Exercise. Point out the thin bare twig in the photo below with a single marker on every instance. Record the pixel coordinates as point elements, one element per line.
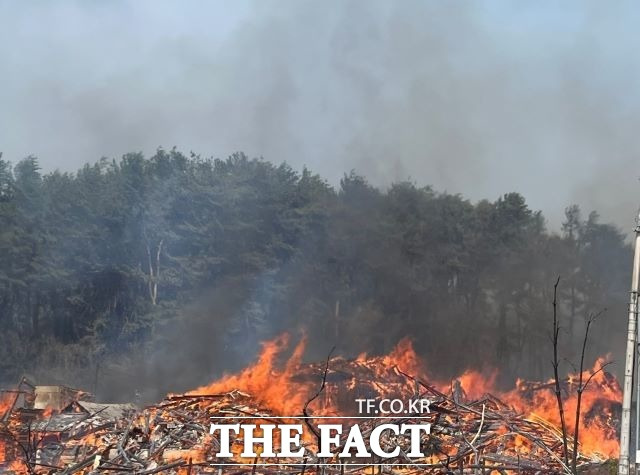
<point>306,405</point>
<point>581,388</point>
<point>556,332</point>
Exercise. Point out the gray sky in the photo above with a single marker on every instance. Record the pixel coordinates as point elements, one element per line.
<point>479,98</point>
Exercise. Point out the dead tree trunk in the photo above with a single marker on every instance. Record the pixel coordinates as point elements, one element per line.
<point>556,333</point>
<point>154,270</point>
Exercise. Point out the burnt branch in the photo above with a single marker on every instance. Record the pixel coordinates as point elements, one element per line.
<point>305,411</point>
<point>582,387</point>
<point>556,377</point>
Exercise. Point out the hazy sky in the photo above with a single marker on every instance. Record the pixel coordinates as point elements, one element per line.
<point>478,97</point>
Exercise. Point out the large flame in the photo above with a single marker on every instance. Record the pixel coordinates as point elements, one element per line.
<point>268,381</point>
<point>597,428</point>
<point>281,388</point>
<point>282,384</point>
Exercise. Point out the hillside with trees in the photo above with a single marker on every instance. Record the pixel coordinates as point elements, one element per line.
<point>157,274</point>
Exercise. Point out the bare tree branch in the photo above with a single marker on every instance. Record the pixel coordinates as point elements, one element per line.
<point>581,388</point>
<point>322,386</point>
<point>556,332</point>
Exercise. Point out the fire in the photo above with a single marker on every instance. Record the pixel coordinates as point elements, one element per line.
<point>271,385</point>
<point>404,357</point>
<point>597,432</point>
<point>6,401</point>
<point>281,389</point>
<point>280,383</point>
<point>17,466</point>
<point>476,384</point>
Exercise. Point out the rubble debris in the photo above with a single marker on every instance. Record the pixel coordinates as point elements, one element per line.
<point>473,429</point>
<point>174,436</point>
<point>58,397</point>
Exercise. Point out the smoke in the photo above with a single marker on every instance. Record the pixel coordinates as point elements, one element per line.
<point>477,98</point>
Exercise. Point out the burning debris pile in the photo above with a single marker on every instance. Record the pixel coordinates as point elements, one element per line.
<point>471,430</point>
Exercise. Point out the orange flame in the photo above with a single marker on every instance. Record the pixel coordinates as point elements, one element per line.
<point>264,380</point>
<point>282,390</point>
<point>282,385</point>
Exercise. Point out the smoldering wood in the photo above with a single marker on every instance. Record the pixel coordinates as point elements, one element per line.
<point>163,438</point>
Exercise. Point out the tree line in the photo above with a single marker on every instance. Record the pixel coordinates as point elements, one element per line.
<point>158,273</point>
